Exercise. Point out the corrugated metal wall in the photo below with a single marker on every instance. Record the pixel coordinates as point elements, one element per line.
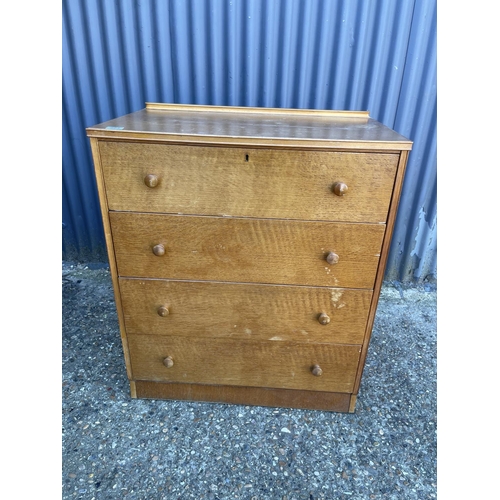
<point>377,55</point>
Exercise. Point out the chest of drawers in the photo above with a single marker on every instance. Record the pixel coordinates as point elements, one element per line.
<point>247,248</point>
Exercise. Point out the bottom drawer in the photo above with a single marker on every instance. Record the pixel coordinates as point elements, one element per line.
<point>285,365</point>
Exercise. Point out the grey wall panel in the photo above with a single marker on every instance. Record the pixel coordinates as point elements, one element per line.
<point>376,55</point>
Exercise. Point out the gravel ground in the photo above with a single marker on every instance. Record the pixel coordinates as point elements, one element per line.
<point>117,447</point>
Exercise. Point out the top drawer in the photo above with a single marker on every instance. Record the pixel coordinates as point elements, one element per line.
<point>248,182</point>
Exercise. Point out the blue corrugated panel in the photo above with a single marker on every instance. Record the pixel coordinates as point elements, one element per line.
<point>414,245</point>
<point>377,55</point>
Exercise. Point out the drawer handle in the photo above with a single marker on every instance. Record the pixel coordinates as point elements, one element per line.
<point>340,189</point>
<point>324,319</point>
<point>316,371</point>
<point>332,258</point>
<point>159,250</point>
<point>163,311</point>
<point>168,362</point>
<point>151,180</point>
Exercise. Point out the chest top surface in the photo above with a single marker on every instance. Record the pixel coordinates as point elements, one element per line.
<point>253,126</point>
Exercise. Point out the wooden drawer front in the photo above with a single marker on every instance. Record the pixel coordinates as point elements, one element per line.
<point>246,250</point>
<point>271,184</point>
<point>244,311</point>
<point>245,363</point>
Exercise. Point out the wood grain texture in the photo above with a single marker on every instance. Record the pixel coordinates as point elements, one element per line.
<point>257,396</point>
<point>197,108</point>
<point>352,403</point>
<point>244,225</point>
<point>248,182</point>
<point>244,311</point>
<point>247,250</point>
<point>272,127</point>
<point>101,190</point>
<point>285,365</point>
<point>133,389</point>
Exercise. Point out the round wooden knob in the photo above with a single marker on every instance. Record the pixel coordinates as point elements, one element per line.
<point>316,371</point>
<point>159,250</point>
<point>168,362</point>
<point>340,189</point>
<point>151,180</point>
<point>332,258</point>
<point>163,311</point>
<point>324,319</point>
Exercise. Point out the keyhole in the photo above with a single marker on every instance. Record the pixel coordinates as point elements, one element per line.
<point>246,157</point>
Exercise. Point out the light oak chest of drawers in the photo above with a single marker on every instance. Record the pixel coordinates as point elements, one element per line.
<point>247,248</point>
